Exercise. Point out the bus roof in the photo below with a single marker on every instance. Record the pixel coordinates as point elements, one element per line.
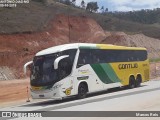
<point>60,48</point>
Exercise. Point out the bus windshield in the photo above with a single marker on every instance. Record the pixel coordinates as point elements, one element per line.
<point>43,72</point>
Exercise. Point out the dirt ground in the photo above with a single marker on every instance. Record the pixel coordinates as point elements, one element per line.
<point>154,70</point>
<point>14,92</point>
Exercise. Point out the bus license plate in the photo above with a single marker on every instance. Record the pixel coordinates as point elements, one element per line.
<point>41,95</point>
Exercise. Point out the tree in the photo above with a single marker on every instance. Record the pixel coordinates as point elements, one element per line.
<point>83,4</point>
<point>92,7</point>
<point>106,10</point>
<point>102,9</point>
<point>73,2</point>
<point>67,2</point>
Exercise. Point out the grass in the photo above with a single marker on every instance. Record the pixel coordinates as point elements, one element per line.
<point>154,60</point>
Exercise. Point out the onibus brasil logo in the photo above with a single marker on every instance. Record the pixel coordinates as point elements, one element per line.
<point>21,114</point>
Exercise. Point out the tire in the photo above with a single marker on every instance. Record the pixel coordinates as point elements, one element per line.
<point>138,81</point>
<point>131,82</point>
<point>82,91</point>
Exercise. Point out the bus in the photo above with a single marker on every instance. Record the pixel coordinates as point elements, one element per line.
<point>78,69</point>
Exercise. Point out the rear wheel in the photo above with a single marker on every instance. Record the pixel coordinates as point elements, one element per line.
<point>82,91</point>
<point>138,81</point>
<point>131,82</point>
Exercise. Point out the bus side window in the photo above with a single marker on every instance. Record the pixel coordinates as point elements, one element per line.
<point>81,60</point>
<point>95,59</point>
<point>84,57</point>
<point>65,68</point>
<point>97,56</point>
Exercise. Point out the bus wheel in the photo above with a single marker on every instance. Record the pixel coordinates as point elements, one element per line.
<point>131,82</point>
<point>82,90</point>
<point>138,81</point>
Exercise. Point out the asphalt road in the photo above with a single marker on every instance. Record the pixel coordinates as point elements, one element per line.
<point>117,102</point>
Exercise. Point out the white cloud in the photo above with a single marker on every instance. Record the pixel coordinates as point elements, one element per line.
<point>119,2</point>
<point>124,8</point>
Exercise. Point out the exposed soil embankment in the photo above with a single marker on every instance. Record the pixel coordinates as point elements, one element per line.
<point>17,49</point>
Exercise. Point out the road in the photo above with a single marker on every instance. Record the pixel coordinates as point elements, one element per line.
<point>144,98</point>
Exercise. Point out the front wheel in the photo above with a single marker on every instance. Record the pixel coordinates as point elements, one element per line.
<point>82,91</point>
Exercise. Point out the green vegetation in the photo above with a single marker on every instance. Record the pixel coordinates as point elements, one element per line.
<point>143,16</point>
<point>35,16</point>
<point>146,22</point>
<point>154,60</point>
<point>92,7</point>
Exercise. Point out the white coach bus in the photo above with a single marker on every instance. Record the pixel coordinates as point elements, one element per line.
<point>79,68</point>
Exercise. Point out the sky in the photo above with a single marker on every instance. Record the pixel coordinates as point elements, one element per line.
<point>125,5</point>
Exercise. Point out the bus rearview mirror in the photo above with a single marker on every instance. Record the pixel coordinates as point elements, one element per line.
<point>26,65</point>
<point>57,60</point>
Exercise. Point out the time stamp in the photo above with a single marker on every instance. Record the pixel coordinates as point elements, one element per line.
<point>12,3</point>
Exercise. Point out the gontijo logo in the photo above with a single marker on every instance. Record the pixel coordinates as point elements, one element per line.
<point>127,66</point>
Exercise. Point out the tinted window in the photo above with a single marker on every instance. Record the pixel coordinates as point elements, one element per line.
<point>93,56</point>
<point>85,57</point>
<point>71,53</point>
<point>65,65</point>
<point>43,72</point>
<point>120,55</point>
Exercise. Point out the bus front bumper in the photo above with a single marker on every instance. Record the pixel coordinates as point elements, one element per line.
<point>46,94</point>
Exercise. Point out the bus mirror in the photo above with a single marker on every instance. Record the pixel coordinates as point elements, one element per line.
<point>25,66</point>
<point>59,59</point>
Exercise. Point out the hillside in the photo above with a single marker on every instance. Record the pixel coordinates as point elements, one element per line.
<point>32,27</point>
<point>140,40</point>
<point>33,17</point>
<point>17,49</point>
<point>142,16</point>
